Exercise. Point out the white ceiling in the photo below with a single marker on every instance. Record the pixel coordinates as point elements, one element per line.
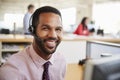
<point>40,0</point>
<point>97,1</point>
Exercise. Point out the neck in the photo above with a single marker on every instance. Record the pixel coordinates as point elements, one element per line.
<point>40,53</point>
<point>30,12</point>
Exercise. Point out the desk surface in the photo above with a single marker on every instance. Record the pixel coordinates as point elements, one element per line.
<point>29,38</point>
<point>15,38</point>
<point>74,72</point>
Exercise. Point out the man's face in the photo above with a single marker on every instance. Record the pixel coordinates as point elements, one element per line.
<point>32,9</point>
<point>49,32</point>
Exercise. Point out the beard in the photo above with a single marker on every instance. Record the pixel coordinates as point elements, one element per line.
<point>45,49</point>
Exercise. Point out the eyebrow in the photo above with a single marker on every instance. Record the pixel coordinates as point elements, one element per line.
<point>59,27</point>
<point>49,26</point>
<point>45,25</point>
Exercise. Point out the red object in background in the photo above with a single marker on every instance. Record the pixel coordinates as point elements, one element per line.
<point>81,31</point>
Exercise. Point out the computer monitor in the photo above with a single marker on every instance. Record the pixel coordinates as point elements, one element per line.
<point>103,69</point>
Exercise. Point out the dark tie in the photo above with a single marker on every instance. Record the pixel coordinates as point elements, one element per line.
<point>45,73</point>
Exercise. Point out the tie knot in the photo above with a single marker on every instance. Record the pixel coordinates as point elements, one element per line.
<point>46,65</point>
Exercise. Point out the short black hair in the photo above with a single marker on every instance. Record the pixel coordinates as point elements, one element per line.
<point>30,6</point>
<point>44,9</point>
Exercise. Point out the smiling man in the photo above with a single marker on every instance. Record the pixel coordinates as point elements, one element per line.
<point>39,61</point>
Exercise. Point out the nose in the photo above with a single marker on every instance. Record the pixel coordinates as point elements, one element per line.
<point>52,34</point>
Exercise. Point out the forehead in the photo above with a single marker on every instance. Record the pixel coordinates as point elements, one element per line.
<point>50,18</point>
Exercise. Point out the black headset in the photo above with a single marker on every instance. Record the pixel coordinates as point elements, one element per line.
<point>31,27</point>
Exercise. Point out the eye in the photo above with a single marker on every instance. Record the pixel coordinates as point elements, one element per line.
<point>59,29</point>
<point>45,28</point>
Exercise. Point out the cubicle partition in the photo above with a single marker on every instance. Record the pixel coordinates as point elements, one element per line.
<point>97,49</point>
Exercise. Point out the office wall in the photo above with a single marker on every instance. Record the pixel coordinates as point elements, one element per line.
<point>83,7</point>
<point>14,7</point>
<point>73,51</point>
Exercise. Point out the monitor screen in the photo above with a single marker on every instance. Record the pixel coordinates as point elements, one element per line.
<point>103,69</point>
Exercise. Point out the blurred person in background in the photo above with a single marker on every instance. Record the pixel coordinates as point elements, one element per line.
<point>82,28</point>
<point>27,18</point>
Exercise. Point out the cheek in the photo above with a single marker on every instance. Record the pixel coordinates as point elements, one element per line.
<point>42,33</point>
<point>60,36</point>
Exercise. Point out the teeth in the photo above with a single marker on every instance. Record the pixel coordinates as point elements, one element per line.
<point>51,43</point>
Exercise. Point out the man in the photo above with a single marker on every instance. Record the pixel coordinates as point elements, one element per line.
<point>27,18</point>
<point>39,61</point>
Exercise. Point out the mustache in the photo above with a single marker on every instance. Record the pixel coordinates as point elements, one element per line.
<point>50,39</point>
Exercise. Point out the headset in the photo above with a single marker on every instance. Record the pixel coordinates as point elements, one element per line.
<point>32,23</point>
<point>32,30</point>
<point>35,15</point>
<point>31,27</point>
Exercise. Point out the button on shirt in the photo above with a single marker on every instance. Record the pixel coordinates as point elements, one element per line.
<point>27,65</point>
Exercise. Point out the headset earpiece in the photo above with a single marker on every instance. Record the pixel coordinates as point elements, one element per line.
<point>31,29</point>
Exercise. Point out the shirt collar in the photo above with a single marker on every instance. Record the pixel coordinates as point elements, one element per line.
<point>39,61</point>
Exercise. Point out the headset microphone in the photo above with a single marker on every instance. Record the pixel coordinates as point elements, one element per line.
<point>36,37</point>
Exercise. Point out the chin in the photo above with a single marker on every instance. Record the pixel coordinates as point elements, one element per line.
<point>50,51</point>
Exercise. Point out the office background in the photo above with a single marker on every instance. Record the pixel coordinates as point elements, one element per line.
<point>104,12</point>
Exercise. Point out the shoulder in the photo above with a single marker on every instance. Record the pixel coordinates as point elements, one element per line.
<point>27,15</point>
<point>14,66</point>
<point>18,59</point>
<point>9,71</point>
<point>80,25</point>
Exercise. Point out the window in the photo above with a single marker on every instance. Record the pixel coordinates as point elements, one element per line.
<point>68,18</point>
<point>106,15</point>
<point>10,19</point>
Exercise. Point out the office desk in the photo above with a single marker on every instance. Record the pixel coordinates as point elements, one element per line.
<point>74,72</point>
<point>10,44</point>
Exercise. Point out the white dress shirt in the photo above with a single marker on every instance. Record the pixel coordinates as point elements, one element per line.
<point>26,22</point>
<point>27,65</point>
